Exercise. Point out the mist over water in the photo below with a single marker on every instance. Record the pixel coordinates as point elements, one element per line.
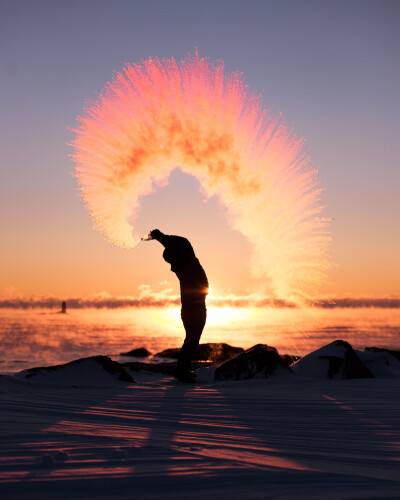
<point>42,337</point>
<point>157,116</point>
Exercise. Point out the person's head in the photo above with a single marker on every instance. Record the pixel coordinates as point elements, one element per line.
<point>156,234</point>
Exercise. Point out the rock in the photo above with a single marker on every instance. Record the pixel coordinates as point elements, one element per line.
<point>289,359</point>
<point>141,352</point>
<point>93,371</point>
<point>260,361</point>
<point>215,352</point>
<point>168,353</point>
<point>337,360</point>
<point>383,363</point>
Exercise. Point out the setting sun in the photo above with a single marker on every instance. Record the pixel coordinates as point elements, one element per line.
<point>220,316</point>
<point>216,316</point>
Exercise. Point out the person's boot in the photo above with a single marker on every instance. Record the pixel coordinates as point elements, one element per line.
<point>184,375</point>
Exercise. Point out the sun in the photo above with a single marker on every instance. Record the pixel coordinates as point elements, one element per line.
<point>216,316</point>
<point>223,316</point>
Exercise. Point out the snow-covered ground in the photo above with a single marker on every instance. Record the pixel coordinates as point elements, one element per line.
<point>283,437</point>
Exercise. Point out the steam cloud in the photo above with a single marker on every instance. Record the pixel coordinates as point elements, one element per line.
<point>161,115</point>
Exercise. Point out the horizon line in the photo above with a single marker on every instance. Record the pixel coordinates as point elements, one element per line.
<point>229,301</point>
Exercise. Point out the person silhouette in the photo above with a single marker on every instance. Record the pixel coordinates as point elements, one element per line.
<point>194,289</point>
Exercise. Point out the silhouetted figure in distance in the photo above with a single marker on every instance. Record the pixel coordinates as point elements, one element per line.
<point>194,289</point>
<point>63,307</point>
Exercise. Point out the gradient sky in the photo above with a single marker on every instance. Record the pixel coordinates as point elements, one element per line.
<point>331,67</point>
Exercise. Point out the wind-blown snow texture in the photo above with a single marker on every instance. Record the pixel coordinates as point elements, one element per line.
<point>269,439</point>
<point>286,436</point>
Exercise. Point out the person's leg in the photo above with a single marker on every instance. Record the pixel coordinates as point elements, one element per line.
<point>194,318</point>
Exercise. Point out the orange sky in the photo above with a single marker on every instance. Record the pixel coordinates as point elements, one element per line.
<point>80,262</point>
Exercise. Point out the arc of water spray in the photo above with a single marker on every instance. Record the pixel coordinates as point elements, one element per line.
<point>158,115</point>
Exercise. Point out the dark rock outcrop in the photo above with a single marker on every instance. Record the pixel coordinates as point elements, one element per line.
<point>141,352</point>
<point>289,359</point>
<point>85,371</point>
<point>215,352</point>
<point>172,353</point>
<point>260,361</point>
<point>337,360</point>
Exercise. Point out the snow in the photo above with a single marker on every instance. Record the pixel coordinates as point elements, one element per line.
<point>382,364</point>
<point>94,371</point>
<point>336,360</point>
<point>316,364</point>
<point>283,437</point>
<point>347,362</point>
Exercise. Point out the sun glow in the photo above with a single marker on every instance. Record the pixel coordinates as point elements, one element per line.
<point>216,316</point>
<point>221,316</point>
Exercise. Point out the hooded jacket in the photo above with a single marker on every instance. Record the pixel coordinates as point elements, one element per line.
<point>184,263</point>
